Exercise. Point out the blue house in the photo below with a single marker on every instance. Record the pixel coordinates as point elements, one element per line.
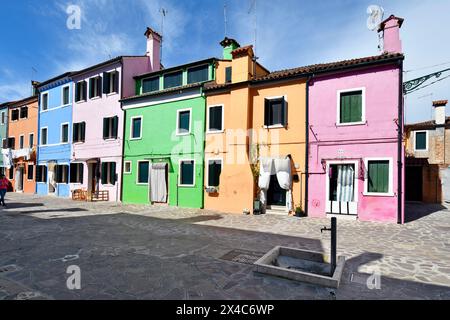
<point>54,136</point>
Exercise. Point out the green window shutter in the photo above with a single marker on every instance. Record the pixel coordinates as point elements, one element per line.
<point>105,128</point>
<point>113,173</point>
<point>351,107</point>
<point>106,76</point>
<point>91,88</point>
<point>83,130</point>
<point>76,127</point>
<point>45,174</point>
<point>84,85</point>
<point>104,173</point>
<point>99,86</point>
<point>77,94</point>
<point>115,124</point>
<point>266,112</point>
<point>39,174</point>
<point>421,140</point>
<point>116,81</point>
<point>73,168</point>
<point>228,74</point>
<point>143,171</point>
<point>378,175</point>
<point>136,128</point>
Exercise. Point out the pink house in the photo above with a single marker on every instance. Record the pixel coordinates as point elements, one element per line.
<point>98,120</point>
<point>356,154</point>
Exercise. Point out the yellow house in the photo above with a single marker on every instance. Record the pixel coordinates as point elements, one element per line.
<point>255,136</point>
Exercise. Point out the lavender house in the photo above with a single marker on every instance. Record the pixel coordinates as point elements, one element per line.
<point>98,122</point>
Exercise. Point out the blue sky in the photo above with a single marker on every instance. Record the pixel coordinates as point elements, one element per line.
<point>290,33</point>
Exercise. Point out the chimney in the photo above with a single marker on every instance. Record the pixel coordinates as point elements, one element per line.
<point>439,111</point>
<point>391,34</point>
<point>228,46</point>
<point>153,48</point>
<point>242,64</point>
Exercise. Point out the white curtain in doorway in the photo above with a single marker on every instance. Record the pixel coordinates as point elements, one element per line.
<point>345,183</point>
<point>265,171</point>
<point>158,185</point>
<point>18,182</point>
<point>283,171</point>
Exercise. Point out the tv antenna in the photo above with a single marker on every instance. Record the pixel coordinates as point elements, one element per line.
<point>225,16</point>
<point>374,20</point>
<point>33,73</point>
<point>255,21</point>
<point>163,12</point>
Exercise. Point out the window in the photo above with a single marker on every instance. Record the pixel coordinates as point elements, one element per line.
<point>44,101</point>
<point>76,173</point>
<point>110,127</point>
<point>31,140</point>
<point>3,117</point>
<point>174,79</point>
<point>62,173</point>
<point>65,95</point>
<point>65,133</point>
<point>30,173</point>
<point>110,82</point>
<point>4,143</point>
<point>109,173</point>
<point>95,87</point>
<point>215,118</point>
<point>150,85</point>
<point>420,140</point>
<point>351,107</point>
<point>127,168</point>
<point>44,132</point>
<point>23,112</point>
<point>197,74</point>
<point>136,128</point>
<point>14,114</point>
<point>80,91</point>
<point>11,143</point>
<point>11,173</point>
<point>187,173</point>
<point>143,170</point>
<point>214,171</point>
<point>21,141</point>
<point>228,74</point>
<point>41,173</point>
<point>79,130</point>
<point>378,176</point>
<point>275,113</point>
<point>183,122</point>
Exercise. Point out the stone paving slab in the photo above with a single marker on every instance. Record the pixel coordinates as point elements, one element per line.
<point>155,252</point>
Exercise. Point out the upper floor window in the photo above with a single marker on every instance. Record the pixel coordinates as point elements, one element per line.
<point>111,82</point>
<point>150,84</point>
<point>136,128</point>
<point>275,112</point>
<point>228,74</point>
<point>31,140</point>
<point>11,143</point>
<point>80,91</point>
<point>44,101</point>
<point>183,122</point>
<point>215,118</point>
<point>110,127</point>
<point>3,117</point>
<point>44,136</point>
<point>14,114</point>
<point>21,141</point>
<point>174,79</point>
<point>65,95</point>
<point>197,74</point>
<point>64,133</point>
<point>23,112</point>
<point>351,106</point>
<point>95,87</point>
<point>420,140</point>
<point>79,131</point>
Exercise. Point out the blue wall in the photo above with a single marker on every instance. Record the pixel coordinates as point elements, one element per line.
<point>53,118</point>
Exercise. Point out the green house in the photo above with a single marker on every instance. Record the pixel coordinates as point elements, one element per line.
<point>164,136</point>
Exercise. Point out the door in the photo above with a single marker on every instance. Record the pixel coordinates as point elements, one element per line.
<point>276,196</point>
<point>414,183</point>
<point>19,179</point>
<point>93,177</point>
<point>158,182</point>
<point>341,189</point>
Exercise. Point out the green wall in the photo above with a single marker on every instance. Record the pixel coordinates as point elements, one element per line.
<point>160,143</point>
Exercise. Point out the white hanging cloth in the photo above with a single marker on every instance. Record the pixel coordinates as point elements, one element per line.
<point>265,171</point>
<point>7,158</point>
<point>284,177</point>
<point>158,186</point>
<point>345,183</point>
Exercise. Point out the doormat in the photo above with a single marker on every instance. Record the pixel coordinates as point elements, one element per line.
<point>242,256</point>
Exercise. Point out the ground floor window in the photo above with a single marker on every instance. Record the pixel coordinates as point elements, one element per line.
<point>127,168</point>
<point>41,173</point>
<point>187,173</point>
<point>30,173</point>
<point>378,180</point>
<point>214,171</point>
<point>109,173</point>
<point>76,173</point>
<point>143,170</point>
<point>62,173</point>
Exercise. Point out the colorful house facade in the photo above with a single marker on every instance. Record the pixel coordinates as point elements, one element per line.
<point>21,141</point>
<point>355,152</point>
<point>3,135</point>
<point>164,136</point>
<point>54,136</point>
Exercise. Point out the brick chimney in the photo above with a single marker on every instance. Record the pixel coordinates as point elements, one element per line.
<point>229,45</point>
<point>391,34</point>
<point>153,48</point>
<point>439,111</point>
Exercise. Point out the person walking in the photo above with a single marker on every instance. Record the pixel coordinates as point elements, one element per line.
<point>3,187</point>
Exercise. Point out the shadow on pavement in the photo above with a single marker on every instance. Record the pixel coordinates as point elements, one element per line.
<point>417,210</point>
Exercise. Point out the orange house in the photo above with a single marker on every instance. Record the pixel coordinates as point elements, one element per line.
<point>21,142</point>
<point>255,136</point>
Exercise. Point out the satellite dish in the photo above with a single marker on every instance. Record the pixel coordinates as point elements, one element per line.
<point>376,14</point>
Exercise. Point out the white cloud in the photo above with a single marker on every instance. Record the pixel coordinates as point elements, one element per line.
<point>14,91</point>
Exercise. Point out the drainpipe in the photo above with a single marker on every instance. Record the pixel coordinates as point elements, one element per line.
<point>400,144</point>
<point>307,144</point>
<point>124,113</point>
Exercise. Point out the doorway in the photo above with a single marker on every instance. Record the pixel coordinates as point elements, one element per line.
<point>413,183</point>
<point>159,175</point>
<point>93,177</point>
<point>19,179</point>
<point>276,196</point>
<point>341,189</point>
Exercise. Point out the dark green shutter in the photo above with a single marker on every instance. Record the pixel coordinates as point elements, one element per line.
<point>77,92</point>
<point>187,172</point>
<point>421,140</point>
<point>228,74</point>
<point>75,132</point>
<point>105,128</point>
<point>113,173</point>
<point>116,81</point>
<point>73,167</point>
<point>351,107</point>
<point>45,173</point>
<point>283,112</point>
<point>38,174</point>
<point>214,171</point>
<point>106,76</point>
<point>115,126</point>
<point>99,86</point>
<point>91,87</point>
<point>266,112</point>
<point>378,176</point>
<point>104,173</point>
<point>81,168</point>
<point>83,130</point>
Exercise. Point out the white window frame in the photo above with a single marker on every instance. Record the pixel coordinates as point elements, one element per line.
<point>207,170</point>
<point>68,173</point>
<point>108,173</point>
<point>34,141</point>
<point>75,91</point>
<point>275,126</point>
<point>125,167</point>
<point>179,173</point>
<point>178,122</point>
<point>34,171</point>
<point>131,127</point>
<point>137,173</point>
<point>18,117</point>
<point>36,168</point>
<point>22,136</point>
<point>48,101</point>
<point>363,107</point>
<point>208,130</point>
<point>61,133</point>
<point>390,192</point>
<point>62,95</point>
<point>20,112</point>
<point>426,140</point>
<point>40,136</point>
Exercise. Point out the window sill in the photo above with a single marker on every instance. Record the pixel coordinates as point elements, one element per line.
<point>110,139</point>
<point>420,150</point>
<point>275,126</point>
<point>95,98</point>
<point>187,185</point>
<point>140,138</point>
<point>81,101</point>
<point>111,94</point>
<point>141,184</point>
<point>351,124</point>
<point>64,105</point>
<point>377,194</point>
<point>78,142</point>
<point>128,173</point>
<point>182,134</point>
<point>215,131</point>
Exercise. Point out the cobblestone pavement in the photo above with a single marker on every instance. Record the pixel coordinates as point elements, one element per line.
<point>153,252</point>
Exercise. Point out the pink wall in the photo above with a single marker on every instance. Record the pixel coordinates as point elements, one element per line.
<point>377,137</point>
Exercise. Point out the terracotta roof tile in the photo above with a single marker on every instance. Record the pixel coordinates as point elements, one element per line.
<point>430,124</point>
<point>155,93</point>
<point>241,51</point>
<point>439,103</point>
